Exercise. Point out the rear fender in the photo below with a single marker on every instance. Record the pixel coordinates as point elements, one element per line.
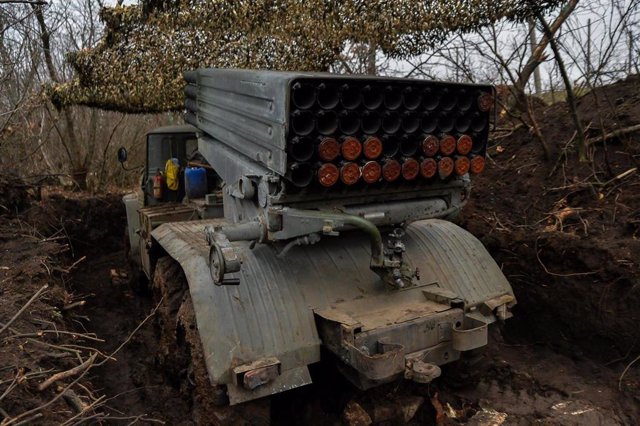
<point>271,315</point>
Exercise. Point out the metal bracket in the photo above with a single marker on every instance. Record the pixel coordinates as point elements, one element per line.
<point>223,259</point>
<point>386,261</point>
<point>420,371</point>
<point>258,373</point>
<point>386,363</point>
<point>471,335</point>
<point>500,306</point>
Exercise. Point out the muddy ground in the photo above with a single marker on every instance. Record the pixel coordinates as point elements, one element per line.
<point>564,232</point>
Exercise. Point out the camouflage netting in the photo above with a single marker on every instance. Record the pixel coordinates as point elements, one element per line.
<point>138,65</point>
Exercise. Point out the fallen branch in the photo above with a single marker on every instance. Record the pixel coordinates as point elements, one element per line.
<point>12,385</point>
<point>40,333</point>
<point>30,419</point>
<point>563,154</point>
<point>99,402</point>
<point>574,274</point>
<point>24,307</point>
<point>69,373</point>
<point>14,421</point>
<point>625,371</point>
<point>614,134</point>
<point>70,268</point>
<point>621,176</point>
<point>74,305</point>
<point>74,400</point>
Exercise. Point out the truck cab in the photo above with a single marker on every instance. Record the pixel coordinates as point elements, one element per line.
<point>163,144</point>
<point>146,210</point>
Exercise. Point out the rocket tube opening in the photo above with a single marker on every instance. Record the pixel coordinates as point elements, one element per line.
<point>372,97</point>
<point>391,170</point>
<point>349,122</point>
<point>429,122</point>
<point>448,99</point>
<point>445,167</point>
<point>392,97</point>
<point>479,123</point>
<point>430,98</point>
<point>391,122</point>
<point>477,164</point>
<point>350,96</point>
<point>446,122</point>
<point>485,102</point>
<point>447,145</point>
<point>351,148</point>
<point>301,174</point>
<point>328,149</point>
<point>430,145</point>
<point>301,148</point>
<point>302,122</point>
<point>410,169</point>
<point>370,122</point>
<point>390,146</point>
<point>371,172</point>
<point>326,122</point>
<point>349,173</point>
<point>463,123</point>
<point>410,122</point>
<point>465,100</point>
<point>303,95</point>
<point>327,95</point>
<point>328,175</point>
<point>372,148</point>
<point>464,144</point>
<point>428,168</point>
<point>462,165</point>
<point>411,98</point>
<point>409,145</point>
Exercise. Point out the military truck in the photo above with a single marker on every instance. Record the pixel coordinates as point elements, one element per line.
<point>325,224</point>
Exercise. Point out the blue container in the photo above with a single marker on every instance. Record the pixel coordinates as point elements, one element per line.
<point>195,182</point>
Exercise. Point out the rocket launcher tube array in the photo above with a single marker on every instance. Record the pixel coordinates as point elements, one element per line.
<point>393,131</point>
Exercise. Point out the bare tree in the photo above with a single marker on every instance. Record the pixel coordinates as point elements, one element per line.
<point>76,144</point>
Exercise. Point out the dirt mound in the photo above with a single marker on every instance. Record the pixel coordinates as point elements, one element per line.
<point>566,232</point>
<point>15,195</point>
<point>530,384</point>
<point>91,223</point>
<point>47,356</point>
<point>37,339</point>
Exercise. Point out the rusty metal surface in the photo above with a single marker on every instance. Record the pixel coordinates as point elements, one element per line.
<point>289,379</point>
<point>161,213</point>
<point>271,312</point>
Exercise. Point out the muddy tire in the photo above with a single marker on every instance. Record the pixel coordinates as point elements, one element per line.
<point>181,356</point>
<point>468,371</point>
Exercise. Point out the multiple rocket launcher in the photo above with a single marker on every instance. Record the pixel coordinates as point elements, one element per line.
<point>347,131</point>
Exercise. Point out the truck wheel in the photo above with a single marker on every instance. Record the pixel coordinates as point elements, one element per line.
<point>137,279</point>
<point>181,356</point>
<point>468,371</point>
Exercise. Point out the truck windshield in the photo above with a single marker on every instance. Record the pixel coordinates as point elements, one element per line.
<point>161,147</point>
